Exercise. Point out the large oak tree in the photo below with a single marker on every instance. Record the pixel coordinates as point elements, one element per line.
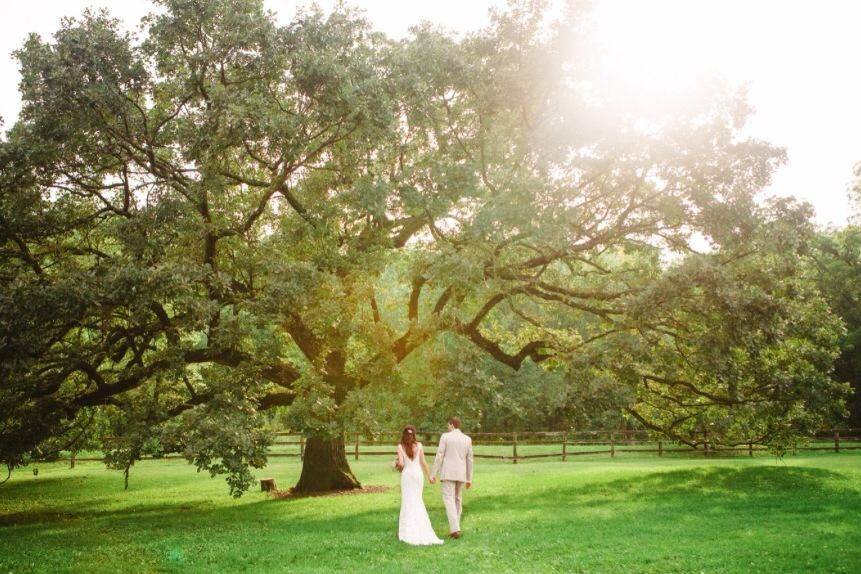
<point>229,215</point>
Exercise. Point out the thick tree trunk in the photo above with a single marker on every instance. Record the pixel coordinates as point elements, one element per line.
<point>325,466</point>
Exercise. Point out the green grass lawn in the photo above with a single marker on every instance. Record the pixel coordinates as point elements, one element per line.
<point>635,513</point>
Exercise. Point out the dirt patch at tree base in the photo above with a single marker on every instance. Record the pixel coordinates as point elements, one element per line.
<point>289,493</point>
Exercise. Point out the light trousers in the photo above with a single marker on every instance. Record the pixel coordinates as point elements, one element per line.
<point>452,498</point>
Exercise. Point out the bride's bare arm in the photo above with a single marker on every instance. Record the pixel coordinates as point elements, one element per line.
<point>400,462</point>
<point>424,464</point>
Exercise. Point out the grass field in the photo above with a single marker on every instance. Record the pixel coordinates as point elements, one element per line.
<point>635,513</point>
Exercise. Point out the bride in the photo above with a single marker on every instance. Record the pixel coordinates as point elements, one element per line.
<point>414,525</point>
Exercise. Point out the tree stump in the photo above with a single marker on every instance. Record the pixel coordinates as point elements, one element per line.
<point>268,485</point>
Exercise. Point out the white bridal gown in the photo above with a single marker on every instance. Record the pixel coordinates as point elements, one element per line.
<point>414,525</point>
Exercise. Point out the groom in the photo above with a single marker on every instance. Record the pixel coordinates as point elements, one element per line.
<point>453,465</point>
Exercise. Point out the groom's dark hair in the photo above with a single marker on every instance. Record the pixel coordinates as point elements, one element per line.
<point>454,421</point>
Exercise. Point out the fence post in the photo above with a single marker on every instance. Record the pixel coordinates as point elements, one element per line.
<point>660,448</point>
<point>301,447</point>
<point>836,441</point>
<point>358,435</point>
<point>564,446</point>
<point>750,448</point>
<point>612,444</point>
<point>705,443</point>
<point>514,447</point>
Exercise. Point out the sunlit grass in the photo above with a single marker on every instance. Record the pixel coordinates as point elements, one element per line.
<point>634,513</point>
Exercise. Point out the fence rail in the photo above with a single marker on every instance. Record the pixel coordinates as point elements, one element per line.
<point>562,444</point>
<point>573,443</point>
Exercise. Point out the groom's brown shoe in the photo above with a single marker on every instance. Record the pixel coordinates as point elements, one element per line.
<point>455,534</point>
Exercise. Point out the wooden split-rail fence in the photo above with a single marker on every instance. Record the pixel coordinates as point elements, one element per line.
<point>516,446</point>
<point>565,444</point>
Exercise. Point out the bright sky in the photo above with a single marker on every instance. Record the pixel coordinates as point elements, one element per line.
<point>797,58</point>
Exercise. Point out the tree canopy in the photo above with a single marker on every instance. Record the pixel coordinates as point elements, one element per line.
<point>226,216</point>
<point>835,266</point>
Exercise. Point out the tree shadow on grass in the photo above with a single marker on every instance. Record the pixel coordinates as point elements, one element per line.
<point>122,507</point>
<point>21,487</point>
<point>264,534</point>
<point>218,527</point>
<point>708,485</point>
<point>64,498</point>
<point>71,512</point>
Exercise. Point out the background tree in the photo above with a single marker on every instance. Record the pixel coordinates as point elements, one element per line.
<point>836,256</point>
<point>231,216</point>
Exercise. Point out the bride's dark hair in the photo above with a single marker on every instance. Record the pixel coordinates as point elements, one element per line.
<point>408,440</point>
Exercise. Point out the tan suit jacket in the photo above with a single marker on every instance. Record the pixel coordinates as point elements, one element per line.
<point>453,460</point>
